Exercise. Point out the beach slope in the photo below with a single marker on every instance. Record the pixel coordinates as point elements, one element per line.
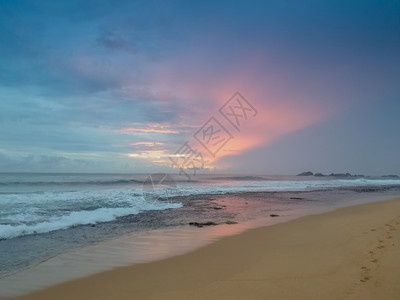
<point>350,253</point>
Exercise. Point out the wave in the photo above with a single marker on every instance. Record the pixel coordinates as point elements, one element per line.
<point>272,185</point>
<point>30,213</point>
<point>89,182</point>
<point>23,214</point>
<point>80,218</point>
<point>240,178</point>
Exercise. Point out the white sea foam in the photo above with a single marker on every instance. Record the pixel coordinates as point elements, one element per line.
<point>79,218</point>
<point>30,213</point>
<point>276,185</point>
<point>23,214</point>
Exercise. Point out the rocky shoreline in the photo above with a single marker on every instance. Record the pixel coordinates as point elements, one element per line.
<point>347,175</point>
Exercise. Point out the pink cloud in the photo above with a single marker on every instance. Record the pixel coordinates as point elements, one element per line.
<point>147,144</point>
<point>152,129</point>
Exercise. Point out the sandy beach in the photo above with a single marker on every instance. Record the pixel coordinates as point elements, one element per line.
<point>199,150</point>
<point>350,253</point>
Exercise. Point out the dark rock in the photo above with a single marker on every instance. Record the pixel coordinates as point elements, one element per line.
<point>217,207</point>
<point>201,224</point>
<point>347,175</point>
<point>296,198</point>
<point>306,174</point>
<point>209,223</point>
<point>230,222</point>
<point>274,215</point>
<point>340,175</point>
<point>390,176</point>
<point>319,175</point>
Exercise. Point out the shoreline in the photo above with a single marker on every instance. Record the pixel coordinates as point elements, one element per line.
<point>138,247</point>
<point>30,250</point>
<point>344,252</point>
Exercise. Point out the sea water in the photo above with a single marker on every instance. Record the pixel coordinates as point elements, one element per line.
<point>45,215</point>
<point>40,203</point>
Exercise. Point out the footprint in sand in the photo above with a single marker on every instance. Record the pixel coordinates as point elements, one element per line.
<point>365,279</point>
<point>374,260</point>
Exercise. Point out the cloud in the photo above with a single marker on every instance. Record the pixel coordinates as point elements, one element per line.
<point>114,41</point>
<point>40,163</point>
<point>94,78</point>
<point>155,129</point>
<point>147,144</point>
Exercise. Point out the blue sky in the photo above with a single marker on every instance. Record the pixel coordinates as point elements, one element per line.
<point>118,86</point>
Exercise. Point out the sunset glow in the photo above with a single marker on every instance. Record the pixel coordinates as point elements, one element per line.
<point>131,90</point>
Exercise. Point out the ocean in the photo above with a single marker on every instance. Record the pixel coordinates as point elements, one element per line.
<point>46,215</point>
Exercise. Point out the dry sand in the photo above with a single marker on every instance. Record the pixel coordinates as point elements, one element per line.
<point>350,253</point>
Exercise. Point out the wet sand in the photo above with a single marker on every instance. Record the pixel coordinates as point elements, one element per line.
<point>350,253</point>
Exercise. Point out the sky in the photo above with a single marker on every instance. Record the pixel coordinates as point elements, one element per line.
<point>256,87</point>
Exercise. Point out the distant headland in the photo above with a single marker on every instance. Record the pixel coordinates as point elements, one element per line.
<point>344,175</point>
